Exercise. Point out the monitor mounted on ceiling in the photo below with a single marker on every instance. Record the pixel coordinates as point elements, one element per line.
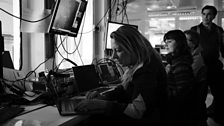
<point>67,17</point>
<point>1,58</point>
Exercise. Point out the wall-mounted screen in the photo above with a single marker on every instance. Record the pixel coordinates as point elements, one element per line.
<point>1,58</point>
<point>113,26</point>
<point>67,17</point>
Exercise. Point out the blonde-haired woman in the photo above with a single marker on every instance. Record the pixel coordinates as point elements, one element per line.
<point>141,98</point>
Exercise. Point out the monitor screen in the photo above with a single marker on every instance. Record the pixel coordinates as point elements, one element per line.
<point>113,26</point>
<point>1,57</point>
<point>7,62</point>
<point>67,17</point>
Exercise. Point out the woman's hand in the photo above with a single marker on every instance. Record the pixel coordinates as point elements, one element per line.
<point>91,105</point>
<point>167,68</point>
<point>92,94</point>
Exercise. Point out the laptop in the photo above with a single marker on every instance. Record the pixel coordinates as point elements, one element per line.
<point>66,106</point>
<point>87,79</point>
<point>7,60</point>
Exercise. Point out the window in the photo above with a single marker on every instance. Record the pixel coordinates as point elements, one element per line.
<point>78,49</point>
<point>159,25</point>
<point>11,29</point>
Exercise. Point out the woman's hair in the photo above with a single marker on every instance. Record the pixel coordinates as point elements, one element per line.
<point>134,43</point>
<point>194,36</point>
<point>181,45</point>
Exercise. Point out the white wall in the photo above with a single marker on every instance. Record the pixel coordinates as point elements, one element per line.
<point>33,44</point>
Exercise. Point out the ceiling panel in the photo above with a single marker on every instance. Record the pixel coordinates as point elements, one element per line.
<point>152,5</point>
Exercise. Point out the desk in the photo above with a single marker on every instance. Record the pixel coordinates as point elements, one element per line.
<point>46,116</point>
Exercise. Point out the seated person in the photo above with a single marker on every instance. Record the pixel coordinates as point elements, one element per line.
<point>141,99</point>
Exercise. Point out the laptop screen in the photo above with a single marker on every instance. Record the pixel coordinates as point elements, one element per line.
<point>7,62</point>
<point>86,77</point>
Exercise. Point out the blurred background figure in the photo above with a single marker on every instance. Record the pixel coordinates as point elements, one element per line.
<point>200,70</point>
<point>211,42</point>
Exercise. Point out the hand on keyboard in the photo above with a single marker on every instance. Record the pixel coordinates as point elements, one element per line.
<point>92,94</point>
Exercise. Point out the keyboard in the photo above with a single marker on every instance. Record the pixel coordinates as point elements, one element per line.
<point>7,112</point>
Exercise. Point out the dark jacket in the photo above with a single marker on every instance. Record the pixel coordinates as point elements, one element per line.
<point>150,82</point>
<point>198,65</point>
<point>211,42</point>
<point>181,84</point>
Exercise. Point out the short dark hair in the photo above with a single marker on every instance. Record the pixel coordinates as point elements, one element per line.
<point>181,41</point>
<point>214,10</point>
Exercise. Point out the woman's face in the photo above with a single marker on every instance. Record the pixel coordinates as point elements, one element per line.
<point>170,43</point>
<point>120,55</point>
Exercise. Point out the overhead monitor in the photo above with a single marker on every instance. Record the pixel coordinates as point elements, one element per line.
<point>7,62</point>
<point>1,57</point>
<point>113,26</point>
<point>67,17</point>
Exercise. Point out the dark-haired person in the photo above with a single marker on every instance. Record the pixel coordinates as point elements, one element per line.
<point>200,72</point>
<point>181,80</point>
<point>141,99</point>
<point>211,42</point>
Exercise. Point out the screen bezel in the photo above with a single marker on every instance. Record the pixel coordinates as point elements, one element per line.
<point>1,58</point>
<point>69,29</point>
<point>113,26</point>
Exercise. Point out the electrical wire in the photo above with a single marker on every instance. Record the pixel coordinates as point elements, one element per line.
<point>23,18</point>
<point>98,22</point>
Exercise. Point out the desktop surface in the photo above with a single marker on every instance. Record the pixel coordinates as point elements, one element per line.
<point>46,116</point>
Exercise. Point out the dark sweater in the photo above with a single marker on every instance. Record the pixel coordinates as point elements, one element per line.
<point>150,82</point>
<point>211,42</point>
<point>181,84</point>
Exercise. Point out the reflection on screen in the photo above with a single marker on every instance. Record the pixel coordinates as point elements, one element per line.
<point>67,17</point>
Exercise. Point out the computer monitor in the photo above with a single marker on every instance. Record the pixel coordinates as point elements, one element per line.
<point>1,57</point>
<point>7,62</point>
<point>67,17</point>
<point>113,26</point>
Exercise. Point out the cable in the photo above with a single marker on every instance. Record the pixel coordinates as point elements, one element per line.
<point>71,62</point>
<point>23,18</point>
<point>98,22</point>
